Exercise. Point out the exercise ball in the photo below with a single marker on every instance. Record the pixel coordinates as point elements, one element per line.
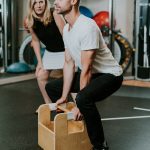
<point>102,18</point>
<point>86,11</point>
<point>18,68</point>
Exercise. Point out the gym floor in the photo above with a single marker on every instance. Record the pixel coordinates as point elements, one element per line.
<point>126,126</point>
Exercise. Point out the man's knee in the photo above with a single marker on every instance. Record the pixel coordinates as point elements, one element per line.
<point>81,100</point>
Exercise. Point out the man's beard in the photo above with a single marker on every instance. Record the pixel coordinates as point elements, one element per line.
<point>63,12</point>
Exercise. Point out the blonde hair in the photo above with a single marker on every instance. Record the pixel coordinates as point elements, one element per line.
<point>47,17</point>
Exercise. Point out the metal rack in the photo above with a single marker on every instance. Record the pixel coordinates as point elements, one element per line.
<point>1,33</point>
<point>8,32</point>
<point>142,55</point>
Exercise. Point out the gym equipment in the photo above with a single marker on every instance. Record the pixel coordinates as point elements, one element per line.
<point>18,68</point>
<point>26,52</point>
<point>122,49</point>
<point>111,21</point>
<point>142,40</point>
<point>126,50</point>
<point>86,11</point>
<point>9,31</point>
<point>1,36</point>
<point>102,18</point>
<point>145,57</point>
<point>63,133</point>
<point>105,30</point>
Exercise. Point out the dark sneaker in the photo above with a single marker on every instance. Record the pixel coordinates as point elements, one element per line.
<point>103,147</point>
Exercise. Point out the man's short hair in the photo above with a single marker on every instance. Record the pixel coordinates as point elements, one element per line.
<point>78,2</point>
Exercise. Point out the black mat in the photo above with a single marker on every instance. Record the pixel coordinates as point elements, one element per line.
<point>18,122</point>
<point>126,134</point>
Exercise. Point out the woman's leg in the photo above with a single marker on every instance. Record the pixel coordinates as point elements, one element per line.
<point>42,79</point>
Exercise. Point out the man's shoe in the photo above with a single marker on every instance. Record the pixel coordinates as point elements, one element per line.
<point>103,147</point>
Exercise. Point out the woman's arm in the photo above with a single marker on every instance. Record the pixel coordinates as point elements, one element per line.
<point>36,46</point>
<point>60,22</point>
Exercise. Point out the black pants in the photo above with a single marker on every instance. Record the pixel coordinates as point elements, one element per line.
<point>100,87</point>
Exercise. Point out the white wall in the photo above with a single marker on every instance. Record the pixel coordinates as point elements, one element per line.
<point>123,13</point>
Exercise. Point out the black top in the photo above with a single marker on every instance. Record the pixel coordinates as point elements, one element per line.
<point>49,35</point>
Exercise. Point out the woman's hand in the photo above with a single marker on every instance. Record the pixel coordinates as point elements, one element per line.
<point>38,68</point>
<point>77,114</point>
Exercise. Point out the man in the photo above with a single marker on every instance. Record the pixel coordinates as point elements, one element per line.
<point>98,76</point>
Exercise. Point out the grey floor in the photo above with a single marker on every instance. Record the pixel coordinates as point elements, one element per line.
<point>18,122</point>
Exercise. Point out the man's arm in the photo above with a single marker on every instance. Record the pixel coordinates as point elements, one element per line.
<point>68,74</point>
<point>87,57</point>
<point>69,70</point>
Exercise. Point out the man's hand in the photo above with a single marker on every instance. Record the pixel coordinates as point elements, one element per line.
<point>77,114</point>
<point>61,100</point>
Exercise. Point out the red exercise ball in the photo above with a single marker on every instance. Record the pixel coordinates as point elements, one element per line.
<point>102,18</point>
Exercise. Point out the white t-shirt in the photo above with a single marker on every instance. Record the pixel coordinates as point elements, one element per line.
<point>86,35</point>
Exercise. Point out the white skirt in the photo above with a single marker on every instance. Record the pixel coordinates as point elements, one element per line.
<point>53,60</point>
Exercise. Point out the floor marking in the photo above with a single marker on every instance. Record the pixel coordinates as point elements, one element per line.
<point>125,118</point>
<point>144,109</point>
<point>9,80</point>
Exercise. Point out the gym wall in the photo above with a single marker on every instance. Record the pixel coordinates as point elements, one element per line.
<point>123,12</point>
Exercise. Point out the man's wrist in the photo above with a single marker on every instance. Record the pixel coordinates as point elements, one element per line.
<point>64,98</point>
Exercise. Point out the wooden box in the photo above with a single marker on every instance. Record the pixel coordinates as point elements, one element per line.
<point>61,134</point>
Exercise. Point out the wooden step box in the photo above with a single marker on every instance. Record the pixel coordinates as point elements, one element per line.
<point>61,134</point>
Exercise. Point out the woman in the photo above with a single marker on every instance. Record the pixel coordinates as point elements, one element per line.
<point>45,26</point>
